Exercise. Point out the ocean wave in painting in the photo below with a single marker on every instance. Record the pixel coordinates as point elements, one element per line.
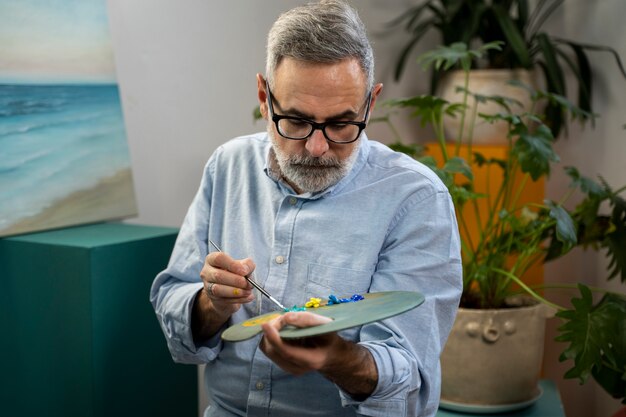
<point>55,140</point>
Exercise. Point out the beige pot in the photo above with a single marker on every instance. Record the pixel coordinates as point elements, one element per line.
<point>493,357</point>
<point>489,82</point>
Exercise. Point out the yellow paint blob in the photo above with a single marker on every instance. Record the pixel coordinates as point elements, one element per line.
<point>259,320</point>
<point>313,303</point>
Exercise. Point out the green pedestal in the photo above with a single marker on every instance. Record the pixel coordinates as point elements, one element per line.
<point>78,334</point>
<point>548,405</point>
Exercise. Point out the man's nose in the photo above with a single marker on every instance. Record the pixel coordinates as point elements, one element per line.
<point>316,144</point>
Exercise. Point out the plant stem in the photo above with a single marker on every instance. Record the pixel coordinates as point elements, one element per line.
<point>619,190</point>
<point>395,132</point>
<point>528,289</point>
<point>520,188</point>
<point>468,235</point>
<point>574,287</point>
<point>470,136</point>
<point>438,125</point>
<point>566,196</point>
<point>509,177</point>
<point>459,139</point>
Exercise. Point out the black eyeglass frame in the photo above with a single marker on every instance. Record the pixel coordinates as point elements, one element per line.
<point>314,125</point>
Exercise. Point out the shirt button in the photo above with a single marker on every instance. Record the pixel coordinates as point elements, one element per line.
<point>259,385</point>
<point>293,201</point>
<point>279,259</point>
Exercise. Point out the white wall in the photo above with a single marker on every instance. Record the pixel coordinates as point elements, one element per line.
<point>187,76</point>
<point>599,151</point>
<point>186,71</point>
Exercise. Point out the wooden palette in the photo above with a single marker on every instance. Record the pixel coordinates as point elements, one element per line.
<point>374,307</point>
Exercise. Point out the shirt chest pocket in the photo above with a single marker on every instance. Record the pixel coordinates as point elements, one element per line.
<point>323,280</point>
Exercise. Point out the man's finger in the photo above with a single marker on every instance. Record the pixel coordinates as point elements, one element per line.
<point>222,260</point>
<point>227,292</point>
<point>304,319</point>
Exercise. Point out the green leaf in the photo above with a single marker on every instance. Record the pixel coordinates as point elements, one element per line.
<point>480,160</point>
<point>446,57</point>
<point>587,185</point>
<point>541,14</point>
<point>413,150</point>
<point>565,228</point>
<point>418,34</point>
<point>616,240</point>
<point>458,165</point>
<point>505,102</point>
<point>462,193</point>
<point>562,104</point>
<point>513,36</point>
<point>522,12</point>
<point>582,70</point>
<point>592,227</point>
<point>256,114</point>
<point>431,163</point>
<point>456,54</point>
<point>597,339</point>
<point>555,73</point>
<point>427,108</point>
<point>598,48</point>
<point>409,15</point>
<point>412,22</point>
<point>534,150</point>
<point>502,101</point>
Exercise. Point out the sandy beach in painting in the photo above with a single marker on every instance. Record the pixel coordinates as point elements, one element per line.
<point>111,198</point>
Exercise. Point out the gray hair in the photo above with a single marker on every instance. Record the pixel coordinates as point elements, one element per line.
<point>327,31</point>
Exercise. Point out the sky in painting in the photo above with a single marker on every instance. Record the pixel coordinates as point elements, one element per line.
<point>55,41</point>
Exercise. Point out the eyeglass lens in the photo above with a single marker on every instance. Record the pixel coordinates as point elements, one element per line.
<point>300,129</point>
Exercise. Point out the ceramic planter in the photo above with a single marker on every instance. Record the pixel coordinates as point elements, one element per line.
<point>494,357</point>
<point>488,82</point>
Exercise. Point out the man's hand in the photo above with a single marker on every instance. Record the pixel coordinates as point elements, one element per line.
<point>225,289</point>
<point>298,356</point>
<point>347,364</point>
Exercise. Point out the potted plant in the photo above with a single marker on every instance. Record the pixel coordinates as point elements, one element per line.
<point>513,235</point>
<point>525,45</point>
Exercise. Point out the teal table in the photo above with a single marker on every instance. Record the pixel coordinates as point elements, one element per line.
<point>549,405</point>
<point>79,336</point>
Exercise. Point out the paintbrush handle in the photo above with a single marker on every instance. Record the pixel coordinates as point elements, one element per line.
<point>264,292</point>
<point>253,283</point>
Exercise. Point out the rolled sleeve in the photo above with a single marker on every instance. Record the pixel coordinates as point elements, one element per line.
<point>174,290</point>
<point>390,395</point>
<point>174,315</point>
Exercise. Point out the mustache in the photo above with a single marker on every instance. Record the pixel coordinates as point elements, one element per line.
<point>311,161</point>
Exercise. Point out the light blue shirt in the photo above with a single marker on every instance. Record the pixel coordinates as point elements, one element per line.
<point>389,224</point>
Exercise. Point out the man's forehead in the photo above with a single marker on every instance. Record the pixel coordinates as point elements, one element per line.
<point>321,91</point>
<point>315,75</point>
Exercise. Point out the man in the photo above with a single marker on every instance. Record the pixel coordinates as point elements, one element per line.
<point>314,208</point>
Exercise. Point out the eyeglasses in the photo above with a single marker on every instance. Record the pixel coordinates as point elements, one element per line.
<point>298,128</point>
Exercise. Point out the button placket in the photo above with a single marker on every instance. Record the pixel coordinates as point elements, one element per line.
<point>283,235</point>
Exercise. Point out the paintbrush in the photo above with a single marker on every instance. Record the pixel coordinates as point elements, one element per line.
<point>253,283</point>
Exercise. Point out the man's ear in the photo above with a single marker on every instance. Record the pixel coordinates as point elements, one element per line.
<point>378,88</point>
<point>262,95</point>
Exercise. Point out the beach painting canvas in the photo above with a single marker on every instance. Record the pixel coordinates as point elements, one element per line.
<point>64,157</point>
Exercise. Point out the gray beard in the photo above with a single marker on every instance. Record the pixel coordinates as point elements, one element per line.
<point>311,174</point>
